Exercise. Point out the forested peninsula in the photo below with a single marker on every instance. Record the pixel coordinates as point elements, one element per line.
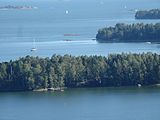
<point>148,14</point>
<point>136,32</point>
<point>32,73</point>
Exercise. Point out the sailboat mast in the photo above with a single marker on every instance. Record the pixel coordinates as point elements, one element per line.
<point>34,44</point>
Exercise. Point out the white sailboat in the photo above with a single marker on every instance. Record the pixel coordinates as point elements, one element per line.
<point>34,46</point>
<point>67,12</point>
<point>148,42</point>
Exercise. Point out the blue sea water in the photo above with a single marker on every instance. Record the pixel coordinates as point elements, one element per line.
<point>49,24</point>
<point>82,104</point>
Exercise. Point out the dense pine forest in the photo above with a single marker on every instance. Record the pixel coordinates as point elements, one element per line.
<point>148,14</point>
<point>30,73</point>
<point>138,32</point>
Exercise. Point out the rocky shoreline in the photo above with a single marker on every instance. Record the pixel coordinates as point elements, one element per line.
<point>49,89</point>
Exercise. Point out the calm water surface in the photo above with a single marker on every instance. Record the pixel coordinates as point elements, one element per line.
<point>82,104</point>
<point>49,23</point>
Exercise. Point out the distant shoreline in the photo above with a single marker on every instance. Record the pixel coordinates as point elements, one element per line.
<point>148,14</point>
<point>10,7</point>
<point>129,33</point>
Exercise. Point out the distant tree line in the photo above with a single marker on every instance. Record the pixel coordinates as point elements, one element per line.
<point>148,14</point>
<point>138,32</point>
<point>30,73</point>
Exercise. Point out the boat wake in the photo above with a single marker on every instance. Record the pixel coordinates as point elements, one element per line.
<point>69,42</point>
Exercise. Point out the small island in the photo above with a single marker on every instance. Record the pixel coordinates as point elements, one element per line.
<point>137,32</point>
<point>11,7</point>
<point>58,72</point>
<point>148,14</point>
